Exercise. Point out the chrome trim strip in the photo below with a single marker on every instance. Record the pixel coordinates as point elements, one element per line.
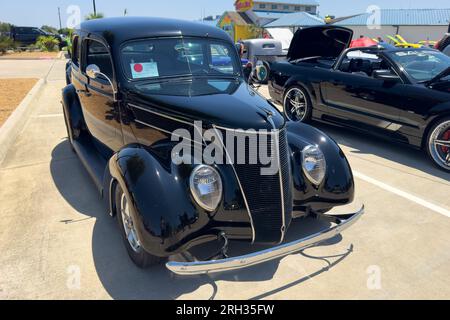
<point>236,263</point>
<point>160,114</point>
<point>273,131</point>
<point>219,136</point>
<point>283,228</point>
<point>165,131</point>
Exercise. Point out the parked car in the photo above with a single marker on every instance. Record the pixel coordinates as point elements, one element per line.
<point>132,88</point>
<point>444,44</point>
<point>29,35</point>
<point>400,94</point>
<point>261,52</point>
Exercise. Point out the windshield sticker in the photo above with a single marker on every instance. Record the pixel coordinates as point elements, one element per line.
<point>144,70</point>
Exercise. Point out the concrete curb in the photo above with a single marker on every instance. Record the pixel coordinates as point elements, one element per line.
<point>16,121</point>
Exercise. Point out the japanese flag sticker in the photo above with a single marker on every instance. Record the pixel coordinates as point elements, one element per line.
<point>144,70</point>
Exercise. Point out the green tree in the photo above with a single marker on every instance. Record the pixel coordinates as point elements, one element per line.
<point>47,43</point>
<point>93,16</point>
<point>6,44</point>
<point>5,27</point>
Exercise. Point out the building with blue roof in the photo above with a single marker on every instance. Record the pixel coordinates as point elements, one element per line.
<point>296,20</point>
<point>412,24</point>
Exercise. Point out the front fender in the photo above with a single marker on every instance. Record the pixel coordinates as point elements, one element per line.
<point>168,219</point>
<point>338,186</point>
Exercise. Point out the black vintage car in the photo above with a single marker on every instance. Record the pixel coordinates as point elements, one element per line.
<point>136,86</point>
<point>401,94</point>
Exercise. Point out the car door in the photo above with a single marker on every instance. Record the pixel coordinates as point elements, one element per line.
<point>100,111</point>
<point>353,96</point>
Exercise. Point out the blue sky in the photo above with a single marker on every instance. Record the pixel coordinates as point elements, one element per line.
<point>37,13</point>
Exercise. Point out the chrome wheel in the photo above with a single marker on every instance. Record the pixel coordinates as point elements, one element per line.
<point>296,105</point>
<point>128,224</point>
<point>439,145</point>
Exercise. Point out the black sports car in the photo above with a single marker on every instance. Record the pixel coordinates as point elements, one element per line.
<point>401,94</point>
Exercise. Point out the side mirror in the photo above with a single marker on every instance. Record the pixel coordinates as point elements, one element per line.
<point>93,71</point>
<point>386,75</point>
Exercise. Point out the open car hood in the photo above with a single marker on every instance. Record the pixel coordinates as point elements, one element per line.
<point>321,41</point>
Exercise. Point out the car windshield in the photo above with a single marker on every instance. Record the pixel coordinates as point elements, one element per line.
<point>157,59</point>
<point>422,65</point>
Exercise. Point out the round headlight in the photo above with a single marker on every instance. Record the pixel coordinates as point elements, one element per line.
<point>206,187</point>
<point>314,164</point>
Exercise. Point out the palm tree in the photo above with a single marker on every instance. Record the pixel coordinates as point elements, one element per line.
<point>93,16</point>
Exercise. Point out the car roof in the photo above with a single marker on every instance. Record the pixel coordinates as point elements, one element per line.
<point>120,29</point>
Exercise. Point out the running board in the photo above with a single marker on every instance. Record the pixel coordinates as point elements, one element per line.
<point>94,163</point>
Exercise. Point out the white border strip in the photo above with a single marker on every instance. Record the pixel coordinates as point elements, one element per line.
<point>403,194</point>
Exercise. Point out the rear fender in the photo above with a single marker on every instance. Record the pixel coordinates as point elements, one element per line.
<point>72,111</point>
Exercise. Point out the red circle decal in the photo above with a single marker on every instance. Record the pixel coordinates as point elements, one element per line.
<point>138,67</point>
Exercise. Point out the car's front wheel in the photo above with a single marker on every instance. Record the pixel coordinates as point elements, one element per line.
<point>297,104</point>
<point>126,222</point>
<point>438,144</point>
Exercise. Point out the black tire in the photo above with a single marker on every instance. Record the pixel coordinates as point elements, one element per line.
<point>69,131</point>
<point>302,112</point>
<point>439,153</point>
<point>138,255</point>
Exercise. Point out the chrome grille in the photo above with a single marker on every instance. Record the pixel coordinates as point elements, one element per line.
<point>267,196</point>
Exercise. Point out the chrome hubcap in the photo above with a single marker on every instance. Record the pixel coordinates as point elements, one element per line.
<point>128,224</point>
<point>295,105</point>
<point>439,145</point>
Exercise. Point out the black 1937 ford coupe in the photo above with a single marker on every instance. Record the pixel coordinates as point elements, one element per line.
<point>145,93</point>
<point>399,94</point>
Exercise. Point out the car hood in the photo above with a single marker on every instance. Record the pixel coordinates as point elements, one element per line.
<point>321,41</point>
<point>229,104</point>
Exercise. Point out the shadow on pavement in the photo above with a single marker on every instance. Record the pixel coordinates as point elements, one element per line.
<point>119,276</point>
<point>392,151</point>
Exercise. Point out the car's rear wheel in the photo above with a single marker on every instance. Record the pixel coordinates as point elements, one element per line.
<point>297,104</point>
<point>438,144</point>
<point>126,222</point>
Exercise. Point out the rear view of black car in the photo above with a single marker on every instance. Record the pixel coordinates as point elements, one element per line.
<point>29,35</point>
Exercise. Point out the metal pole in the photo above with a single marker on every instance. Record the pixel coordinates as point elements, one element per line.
<point>95,9</point>
<point>59,15</point>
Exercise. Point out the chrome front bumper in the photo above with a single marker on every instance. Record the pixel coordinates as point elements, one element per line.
<point>216,266</point>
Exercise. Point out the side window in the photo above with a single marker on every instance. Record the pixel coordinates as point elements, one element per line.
<point>98,54</point>
<point>75,52</point>
<point>363,63</point>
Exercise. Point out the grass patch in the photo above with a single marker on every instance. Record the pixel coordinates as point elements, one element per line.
<point>12,92</point>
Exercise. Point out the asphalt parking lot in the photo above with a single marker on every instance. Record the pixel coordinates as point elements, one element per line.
<point>57,241</point>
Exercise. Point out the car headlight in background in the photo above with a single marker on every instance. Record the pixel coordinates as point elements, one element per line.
<point>314,164</point>
<point>206,187</point>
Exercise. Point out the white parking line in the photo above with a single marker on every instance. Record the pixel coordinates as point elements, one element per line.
<point>54,115</point>
<point>403,194</point>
